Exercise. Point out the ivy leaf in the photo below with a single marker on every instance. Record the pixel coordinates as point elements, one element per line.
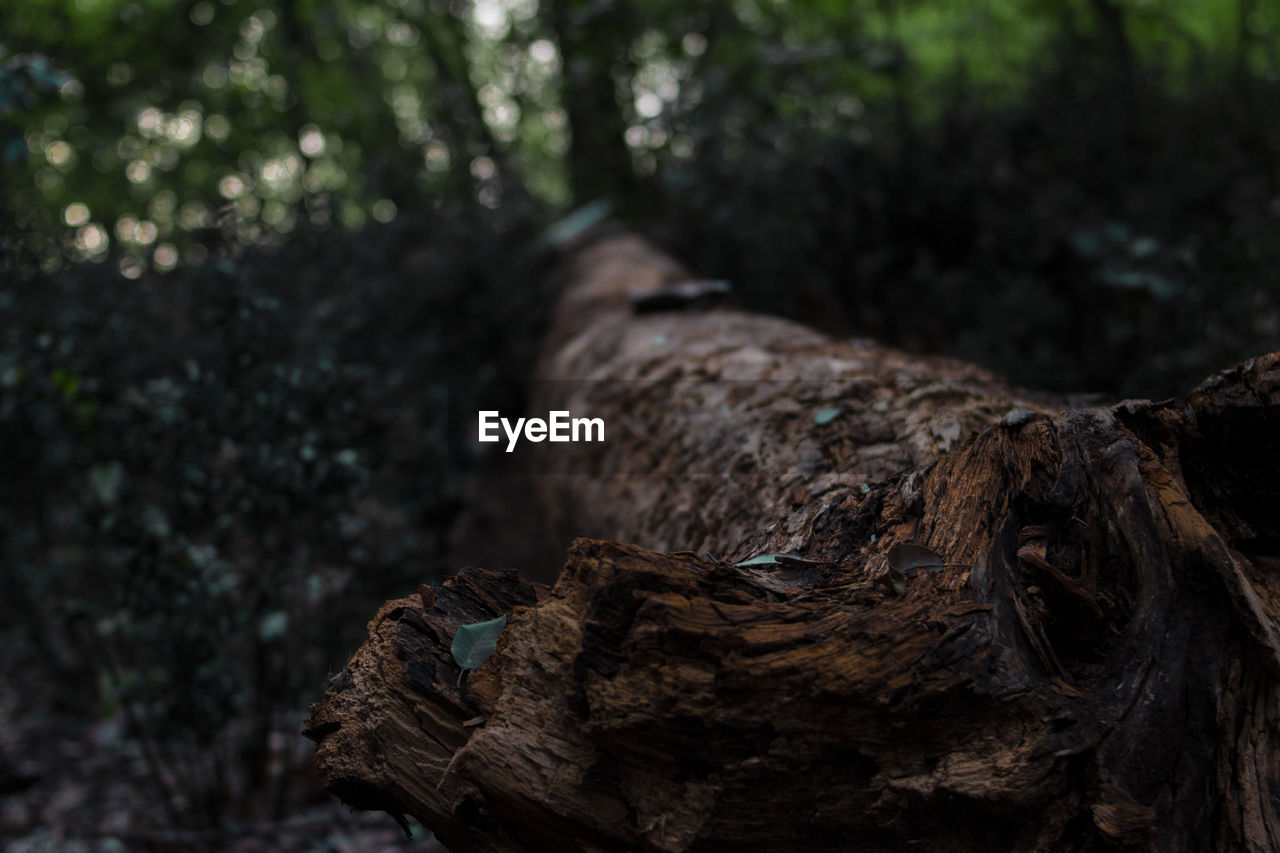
<point>474,644</point>
<point>909,557</point>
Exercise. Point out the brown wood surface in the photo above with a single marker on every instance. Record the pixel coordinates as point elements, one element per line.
<point>1096,667</point>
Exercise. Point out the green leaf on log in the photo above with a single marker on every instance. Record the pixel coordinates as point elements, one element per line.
<point>474,644</point>
<point>784,560</point>
<point>825,416</point>
<point>577,223</point>
<point>761,560</point>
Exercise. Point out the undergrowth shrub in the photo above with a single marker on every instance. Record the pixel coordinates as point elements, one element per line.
<point>213,478</point>
<point>1105,232</point>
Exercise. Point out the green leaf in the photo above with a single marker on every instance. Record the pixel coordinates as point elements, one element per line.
<point>762,560</point>
<point>825,416</point>
<point>577,223</point>
<point>474,644</point>
<point>784,559</point>
<point>1130,279</point>
<point>14,150</point>
<point>909,557</point>
<point>106,481</point>
<point>273,625</point>
<point>1087,243</point>
<point>66,383</point>
<point>1144,247</point>
<point>45,75</point>
<point>1118,232</point>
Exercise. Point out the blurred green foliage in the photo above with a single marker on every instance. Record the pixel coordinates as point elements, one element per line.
<point>1093,237</point>
<point>218,476</point>
<point>173,110</point>
<point>248,245</point>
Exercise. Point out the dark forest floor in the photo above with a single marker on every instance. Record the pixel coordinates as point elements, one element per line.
<point>74,783</point>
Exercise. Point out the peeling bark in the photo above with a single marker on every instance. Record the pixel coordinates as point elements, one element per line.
<point>1097,665</point>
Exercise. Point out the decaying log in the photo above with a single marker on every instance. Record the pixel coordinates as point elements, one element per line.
<point>1094,663</point>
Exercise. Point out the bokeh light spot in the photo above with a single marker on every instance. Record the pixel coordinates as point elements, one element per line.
<point>483,168</point>
<point>490,18</point>
<point>694,44</point>
<point>437,156</point>
<point>59,153</point>
<point>193,214</point>
<point>401,34</point>
<point>217,126</point>
<point>214,76</point>
<point>543,51</point>
<point>125,228</point>
<point>202,13</point>
<point>132,267</point>
<point>232,186</point>
<point>165,257</point>
<point>138,172</point>
<point>648,104</point>
<point>92,238</point>
<point>148,122</point>
<point>184,129</point>
<point>311,141</point>
<point>145,233</point>
<point>75,214</point>
<point>119,73</point>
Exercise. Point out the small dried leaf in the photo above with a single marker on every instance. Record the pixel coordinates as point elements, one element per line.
<point>909,557</point>
<point>892,581</point>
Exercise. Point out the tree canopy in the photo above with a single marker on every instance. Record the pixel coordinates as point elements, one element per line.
<point>288,109</point>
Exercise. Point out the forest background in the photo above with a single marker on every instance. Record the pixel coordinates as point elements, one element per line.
<point>257,253</point>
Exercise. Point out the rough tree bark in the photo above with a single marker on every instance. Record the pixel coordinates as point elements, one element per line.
<point>1096,667</point>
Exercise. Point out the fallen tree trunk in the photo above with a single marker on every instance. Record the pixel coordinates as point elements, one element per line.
<point>1080,653</point>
